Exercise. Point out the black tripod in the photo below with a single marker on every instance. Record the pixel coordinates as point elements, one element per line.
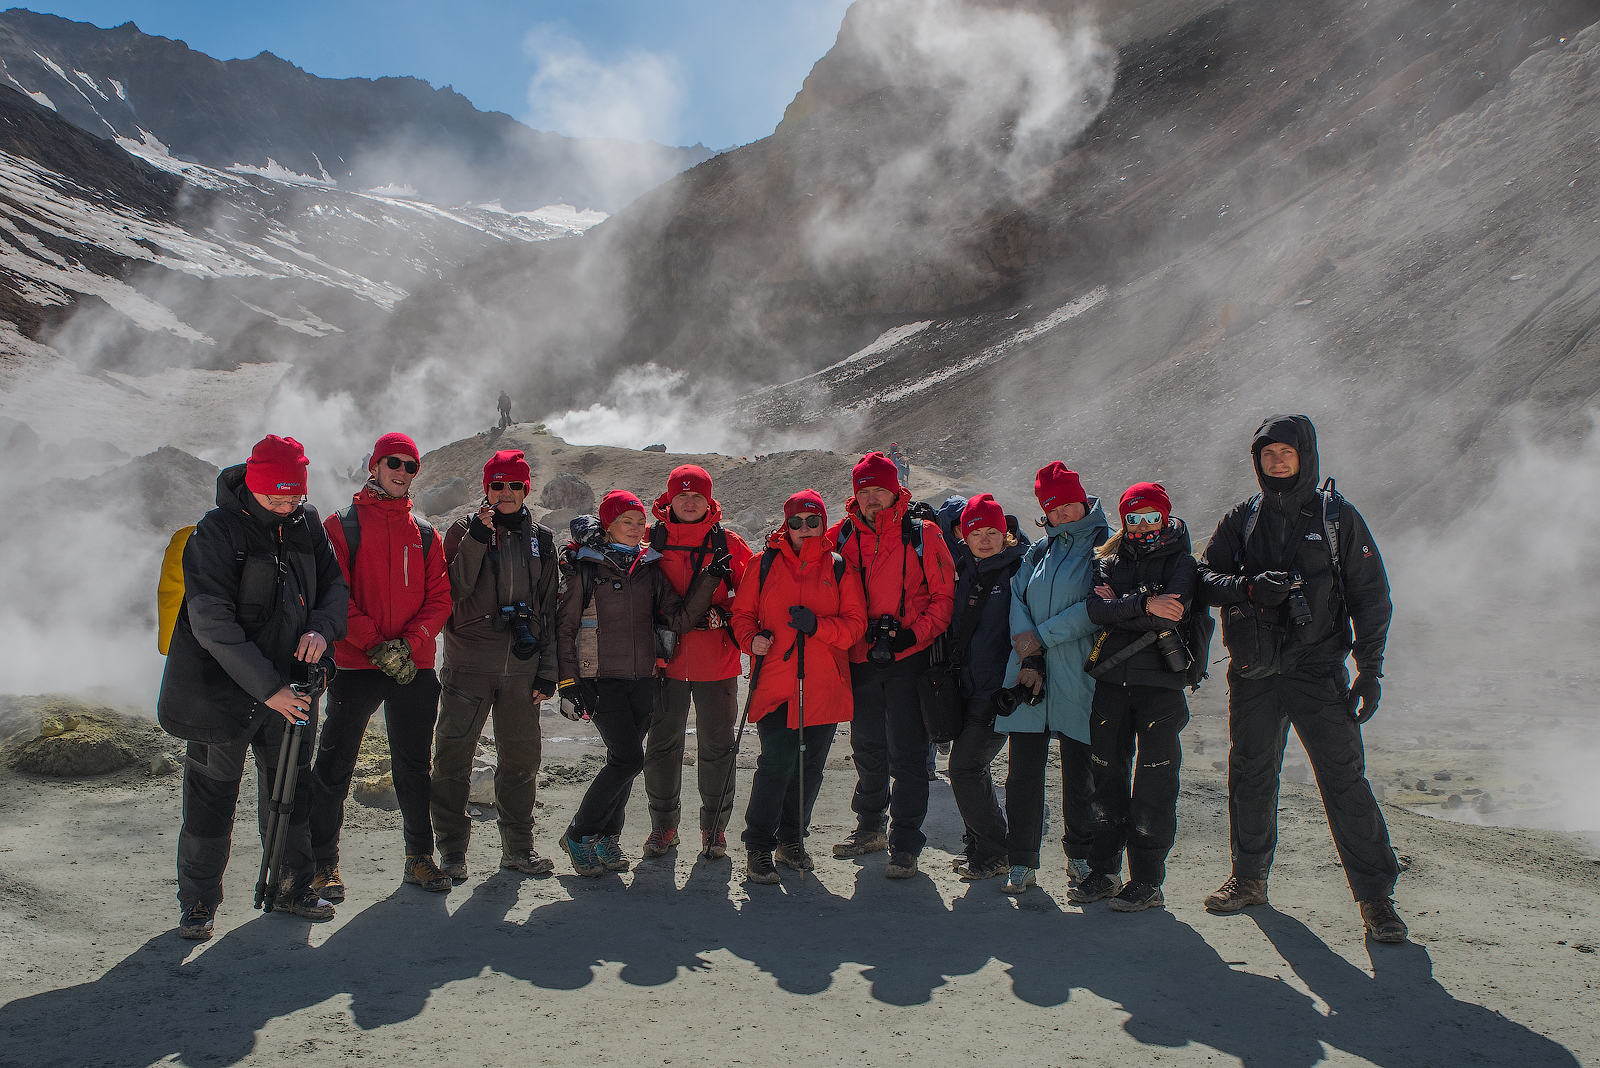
<point>279,810</point>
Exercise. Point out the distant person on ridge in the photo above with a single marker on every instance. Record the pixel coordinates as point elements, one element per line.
<point>500,660</point>
<point>399,601</point>
<point>901,466</point>
<point>1301,561</point>
<point>909,580</point>
<point>263,597</point>
<point>505,410</point>
<point>688,533</point>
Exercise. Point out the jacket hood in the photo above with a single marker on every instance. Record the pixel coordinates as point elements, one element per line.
<point>1094,519</point>
<point>892,513</point>
<point>1298,431</point>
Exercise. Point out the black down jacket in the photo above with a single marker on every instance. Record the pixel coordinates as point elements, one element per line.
<point>1135,575</point>
<point>253,583</point>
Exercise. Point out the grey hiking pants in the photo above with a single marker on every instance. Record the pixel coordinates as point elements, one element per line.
<point>465,706</point>
<point>716,709</point>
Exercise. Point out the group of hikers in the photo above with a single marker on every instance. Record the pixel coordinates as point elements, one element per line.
<point>910,624</point>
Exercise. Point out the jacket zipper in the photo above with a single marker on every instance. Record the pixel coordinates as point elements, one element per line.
<point>405,565</point>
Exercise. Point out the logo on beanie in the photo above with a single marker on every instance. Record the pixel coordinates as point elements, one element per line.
<point>288,485</point>
<point>812,505</point>
<point>688,485</point>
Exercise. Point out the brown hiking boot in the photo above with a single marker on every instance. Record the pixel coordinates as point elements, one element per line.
<point>453,866</point>
<point>422,871</point>
<point>527,861</point>
<point>659,842</point>
<point>328,883</point>
<point>860,842</point>
<point>1381,920</point>
<point>1236,894</point>
<point>794,855</point>
<point>758,867</point>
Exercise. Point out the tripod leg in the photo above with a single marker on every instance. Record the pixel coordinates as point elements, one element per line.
<point>265,895</point>
<point>800,711</point>
<point>283,808</point>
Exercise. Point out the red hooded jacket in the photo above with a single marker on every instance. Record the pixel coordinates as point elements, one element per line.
<point>394,591</point>
<point>886,565</point>
<point>703,655</point>
<point>804,578</point>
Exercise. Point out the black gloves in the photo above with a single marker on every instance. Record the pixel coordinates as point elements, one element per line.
<point>478,530</point>
<point>803,620</point>
<point>547,686</point>
<point>1269,588</point>
<point>720,567</point>
<point>903,639</point>
<point>578,698</point>
<point>1364,693</point>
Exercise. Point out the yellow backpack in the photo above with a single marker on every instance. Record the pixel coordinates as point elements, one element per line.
<point>169,589</point>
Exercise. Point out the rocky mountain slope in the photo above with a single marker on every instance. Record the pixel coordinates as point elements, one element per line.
<point>361,134</point>
<point>1381,214</point>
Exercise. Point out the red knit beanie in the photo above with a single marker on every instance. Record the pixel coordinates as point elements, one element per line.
<point>806,502</point>
<point>876,469</point>
<point>982,511</point>
<point>615,503</point>
<point>277,467</point>
<point>1142,496</point>
<point>507,465</point>
<point>396,444</point>
<point>1056,484</point>
<point>687,478</point>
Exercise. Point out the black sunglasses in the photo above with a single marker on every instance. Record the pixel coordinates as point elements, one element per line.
<point>812,521</point>
<point>395,464</point>
<point>514,487</point>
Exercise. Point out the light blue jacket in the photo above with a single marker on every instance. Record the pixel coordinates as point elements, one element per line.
<point>1047,597</point>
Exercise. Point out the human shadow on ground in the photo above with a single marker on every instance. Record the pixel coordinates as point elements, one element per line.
<point>905,938</point>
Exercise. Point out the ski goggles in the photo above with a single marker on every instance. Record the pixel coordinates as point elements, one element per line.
<point>514,487</point>
<point>811,521</point>
<point>394,463</point>
<point>1142,519</point>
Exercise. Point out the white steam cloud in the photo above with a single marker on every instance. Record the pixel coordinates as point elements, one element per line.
<point>636,98</point>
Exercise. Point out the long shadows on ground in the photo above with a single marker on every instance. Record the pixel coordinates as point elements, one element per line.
<point>908,940</point>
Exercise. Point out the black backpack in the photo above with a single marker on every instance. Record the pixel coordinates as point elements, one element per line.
<point>768,555</point>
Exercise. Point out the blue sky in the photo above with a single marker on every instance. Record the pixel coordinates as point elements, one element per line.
<point>678,71</point>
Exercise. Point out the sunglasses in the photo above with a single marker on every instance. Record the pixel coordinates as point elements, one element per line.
<point>1142,519</point>
<point>395,463</point>
<point>812,521</point>
<point>514,487</point>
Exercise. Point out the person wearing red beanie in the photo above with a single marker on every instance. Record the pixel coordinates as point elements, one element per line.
<point>399,601</point>
<point>500,661</point>
<point>909,581</point>
<point>1146,584</point>
<point>615,600</point>
<point>1051,636</point>
<point>688,532</point>
<point>264,599</point>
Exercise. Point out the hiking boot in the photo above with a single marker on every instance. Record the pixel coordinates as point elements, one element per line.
<point>1020,878</point>
<point>454,866</point>
<point>1236,894</point>
<point>1077,871</point>
<point>1136,897</point>
<point>609,849</point>
<point>585,858</point>
<point>527,861</point>
<point>794,855</point>
<point>422,871</point>
<point>308,905</point>
<point>1095,887</point>
<point>196,922</point>
<point>328,882</point>
<point>660,841</point>
<point>1381,920</point>
<point>984,869</point>
<point>714,844</point>
<point>861,842</point>
<point>758,867</point>
<point>901,866</point>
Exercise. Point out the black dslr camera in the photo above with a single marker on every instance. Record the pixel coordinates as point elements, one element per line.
<point>1169,643</point>
<point>308,680</point>
<point>1006,701</point>
<point>880,640</point>
<point>1299,609</point>
<point>517,618</point>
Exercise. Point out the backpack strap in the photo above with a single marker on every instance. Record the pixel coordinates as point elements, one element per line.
<point>658,535</point>
<point>838,568</point>
<point>1250,520</point>
<point>351,523</point>
<point>769,555</point>
<point>1330,532</point>
<point>428,533</point>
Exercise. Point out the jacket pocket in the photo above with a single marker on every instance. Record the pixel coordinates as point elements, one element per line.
<point>1253,642</point>
<point>258,589</point>
<point>588,644</point>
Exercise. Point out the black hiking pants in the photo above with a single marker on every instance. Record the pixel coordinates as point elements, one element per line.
<point>776,813</point>
<point>890,747</point>
<point>1025,790</point>
<point>409,713</point>
<point>1260,712</point>
<point>973,750</point>
<point>1135,809</point>
<point>211,777</point>
<point>622,716</point>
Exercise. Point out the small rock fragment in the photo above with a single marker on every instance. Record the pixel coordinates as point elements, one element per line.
<point>163,764</point>
<point>1451,802</point>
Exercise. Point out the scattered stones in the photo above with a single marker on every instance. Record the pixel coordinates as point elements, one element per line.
<point>655,448</point>
<point>1441,776</point>
<point>1404,860</point>
<point>163,764</point>
<point>1219,765</point>
<point>1483,805</point>
<point>1452,802</point>
<point>569,493</point>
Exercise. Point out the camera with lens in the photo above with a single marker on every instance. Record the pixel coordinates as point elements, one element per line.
<point>880,640</point>
<point>1173,652</point>
<point>1298,608</point>
<point>518,619</point>
<point>1005,701</point>
<point>307,680</point>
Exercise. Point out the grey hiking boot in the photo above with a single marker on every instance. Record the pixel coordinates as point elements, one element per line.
<point>422,871</point>
<point>527,861</point>
<point>1236,894</point>
<point>454,865</point>
<point>610,852</point>
<point>1098,885</point>
<point>1381,920</point>
<point>758,867</point>
<point>901,866</point>
<point>1077,871</point>
<point>1020,878</point>
<point>861,842</point>
<point>197,922</point>
<point>1136,897</point>
<point>794,855</point>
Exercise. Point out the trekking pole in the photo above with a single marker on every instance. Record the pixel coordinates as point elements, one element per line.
<point>719,823</point>
<point>800,705</point>
<point>270,832</point>
<point>282,808</point>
